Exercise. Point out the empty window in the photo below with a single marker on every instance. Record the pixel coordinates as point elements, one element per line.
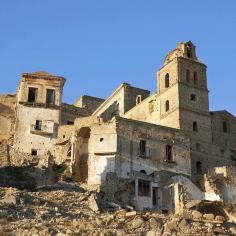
<point>38,125</point>
<point>143,188</point>
<point>167,105</point>
<point>32,94</point>
<point>225,127</point>
<point>189,51</point>
<point>167,80</point>
<point>138,99</point>
<point>193,97</point>
<point>142,148</point>
<point>34,152</point>
<point>169,155</point>
<point>187,75</point>
<point>70,122</point>
<point>50,97</point>
<point>195,127</point>
<point>195,78</point>
<point>199,167</point>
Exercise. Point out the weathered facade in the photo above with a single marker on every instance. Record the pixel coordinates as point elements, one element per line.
<point>168,145</point>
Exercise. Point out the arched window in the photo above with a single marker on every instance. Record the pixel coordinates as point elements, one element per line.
<point>167,105</point>
<point>138,99</point>
<point>225,127</point>
<point>195,78</point>
<point>167,80</point>
<point>187,75</point>
<point>195,127</point>
<point>199,167</point>
<point>193,97</point>
<point>143,171</point>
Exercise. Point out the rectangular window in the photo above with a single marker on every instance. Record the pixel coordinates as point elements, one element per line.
<point>38,125</point>
<point>70,122</point>
<point>225,127</point>
<point>169,154</point>
<point>142,148</point>
<point>143,188</point>
<point>32,94</point>
<point>50,97</point>
<point>34,152</point>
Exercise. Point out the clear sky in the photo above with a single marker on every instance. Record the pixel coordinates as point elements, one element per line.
<point>98,44</point>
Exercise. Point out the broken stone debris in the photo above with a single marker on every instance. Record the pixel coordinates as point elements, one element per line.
<point>67,209</point>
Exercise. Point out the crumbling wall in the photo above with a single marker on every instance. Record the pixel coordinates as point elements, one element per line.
<point>156,137</point>
<point>89,103</point>
<point>7,122</point>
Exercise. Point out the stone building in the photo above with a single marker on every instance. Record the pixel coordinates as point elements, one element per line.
<point>168,145</point>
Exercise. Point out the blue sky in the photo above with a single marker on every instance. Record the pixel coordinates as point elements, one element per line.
<point>98,44</point>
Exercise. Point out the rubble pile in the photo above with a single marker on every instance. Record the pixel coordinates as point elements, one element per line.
<point>69,209</point>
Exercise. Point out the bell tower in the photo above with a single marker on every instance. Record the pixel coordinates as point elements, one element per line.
<point>182,87</point>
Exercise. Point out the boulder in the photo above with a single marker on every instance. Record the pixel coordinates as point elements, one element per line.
<point>136,223</point>
<point>209,216</point>
<point>196,215</point>
<point>131,214</point>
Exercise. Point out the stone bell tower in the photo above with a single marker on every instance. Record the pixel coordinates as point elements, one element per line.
<point>182,86</point>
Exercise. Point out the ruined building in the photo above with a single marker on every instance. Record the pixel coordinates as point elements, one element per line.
<point>167,145</point>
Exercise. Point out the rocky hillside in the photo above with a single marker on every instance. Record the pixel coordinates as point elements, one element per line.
<point>69,209</point>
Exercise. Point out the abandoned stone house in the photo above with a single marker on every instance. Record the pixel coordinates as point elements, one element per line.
<point>168,144</point>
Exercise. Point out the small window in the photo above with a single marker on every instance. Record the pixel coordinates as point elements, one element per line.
<point>187,75</point>
<point>169,155</point>
<point>193,97</point>
<point>143,188</point>
<point>138,99</point>
<point>142,148</point>
<point>199,167</point>
<point>38,125</point>
<point>167,105</point>
<point>167,80</point>
<point>50,97</point>
<point>34,152</point>
<point>70,122</point>
<point>143,171</point>
<point>195,78</point>
<point>32,94</point>
<point>225,127</point>
<point>101,139</point>
<point>195,126</point>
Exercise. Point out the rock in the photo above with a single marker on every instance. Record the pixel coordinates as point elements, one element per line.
<point>151,233</point>
<point>189,205</point>
<point>184,225</point>
<point>220,218</point>
<point>131,214</point>
<point>93,203</point>
<point>196,215</point>
<point>209,216</point>
<point>233,230</point>
<point>219,231</point>
<point>154,224</point>
<point>171,226</point>
<point>136,223</point>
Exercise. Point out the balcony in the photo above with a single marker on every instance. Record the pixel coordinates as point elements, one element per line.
<point>44,129</point>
